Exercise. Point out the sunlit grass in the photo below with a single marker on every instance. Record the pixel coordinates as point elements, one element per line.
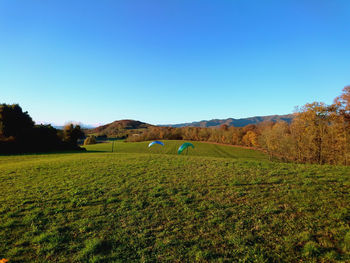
<point>171,147</point>
<point>141,207</point>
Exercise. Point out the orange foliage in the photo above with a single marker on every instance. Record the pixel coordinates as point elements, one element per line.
<point>319,133</point>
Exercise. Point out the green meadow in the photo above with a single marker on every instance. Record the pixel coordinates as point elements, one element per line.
<point>139,204</point>
<point>171,147</point>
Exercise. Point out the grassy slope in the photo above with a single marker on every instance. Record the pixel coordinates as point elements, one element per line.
<point>106,207</point>
<point>171,147</point>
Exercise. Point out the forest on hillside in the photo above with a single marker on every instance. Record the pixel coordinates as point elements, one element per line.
<point>319,133</point>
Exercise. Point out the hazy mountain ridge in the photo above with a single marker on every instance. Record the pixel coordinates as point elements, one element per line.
<point>83,126</point>
<point>133,124</point>
<point>235,122</point>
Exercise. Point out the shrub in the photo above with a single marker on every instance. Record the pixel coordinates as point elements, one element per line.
<point>90,140</point>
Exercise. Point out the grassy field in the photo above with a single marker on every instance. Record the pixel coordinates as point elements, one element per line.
<point>171,147</point>
<point>218,204</point>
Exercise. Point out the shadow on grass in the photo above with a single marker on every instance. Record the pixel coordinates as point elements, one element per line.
<point>54,152</point>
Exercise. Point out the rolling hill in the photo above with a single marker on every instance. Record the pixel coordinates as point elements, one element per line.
<point>119,127</point>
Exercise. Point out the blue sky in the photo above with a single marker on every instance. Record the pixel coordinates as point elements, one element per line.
<point>171,61</point>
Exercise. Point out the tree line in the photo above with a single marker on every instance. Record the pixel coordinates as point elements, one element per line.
<point>318,133</point>
<point>19,134</point>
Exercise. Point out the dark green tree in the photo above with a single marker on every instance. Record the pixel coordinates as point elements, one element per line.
<point>14,122</point>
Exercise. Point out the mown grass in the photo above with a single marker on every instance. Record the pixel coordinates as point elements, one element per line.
<point>171,147</point>
<point>137,207</point>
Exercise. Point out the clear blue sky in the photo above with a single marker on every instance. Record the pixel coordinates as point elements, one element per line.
<point>171,61</point>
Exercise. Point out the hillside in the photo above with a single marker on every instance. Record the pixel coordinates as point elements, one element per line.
<point>171,146</point>
<point>235,122</point>
<point>117,128</point>
<point>129,206</point>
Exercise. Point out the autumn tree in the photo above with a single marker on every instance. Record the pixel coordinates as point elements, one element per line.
<point>277,141</point>
<point>71,133</point>
<point>342,107</point>
<point>90,140</point>
<point>224,127</point>
<point>310,128</point>
<point>343,101</point>
<point>250,139</point>
<point>335,141</point>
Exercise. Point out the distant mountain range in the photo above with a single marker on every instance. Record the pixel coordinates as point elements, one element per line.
<point>235,122</point>
<point>123,126</point>
<point>83,126</point>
